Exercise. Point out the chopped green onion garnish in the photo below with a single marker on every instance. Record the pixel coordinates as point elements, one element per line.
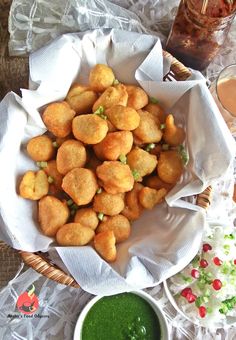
<point>74,207</point>
<point>165,147</point>
<point>226,246</point>
<point>55,145</point>
<point>100,216</point>
<point>99,191</point>
<point>50,179</point>
<point>162,126</point>
<point>69,202</point>
<point>116,82</point>
<point>72,212</point>
<point>153,100</point>
<point>42,164</point>
<point>99,111</point>
<point>136,175</point>
<point>229,237</point>
<point>150,147</point>
<point>123,159</point>
<point>183,154</point>
<point>198,302</point>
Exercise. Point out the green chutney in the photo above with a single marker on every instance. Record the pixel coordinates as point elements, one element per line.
<point>124,316</point>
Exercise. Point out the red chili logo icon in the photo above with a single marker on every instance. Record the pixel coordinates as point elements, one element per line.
<point>28,303</point>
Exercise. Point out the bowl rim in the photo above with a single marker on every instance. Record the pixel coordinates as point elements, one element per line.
<point>165,335</point>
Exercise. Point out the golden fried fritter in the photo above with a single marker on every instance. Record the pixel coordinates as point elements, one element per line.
<point>113,95</point>
<point>148,130</point>
<point>108,204</point>
<point>52,214</point>
<point>123,118</point>
<point>173,135</point>
<point>40,148</point>
<point>115,177</point>
<point>170,166</point>
<point>34,185</point>
<point>149,197</point>
<point>55,176</point>
<point>87,217</point>
<point>104,243</point>
<point>137,97</point>
<point>157,111</point>
<point>142,162</point>
<point>101,77</point>
<point>71,154</point>
<point>133,208</point>
<point>113,145</point>
<point>81,185</point>
<point>119,224</point>
<point>58,118</point>
<point>81,98</point>
<point>74,234</point>
<point>89,129</point>
<point>155,182</point>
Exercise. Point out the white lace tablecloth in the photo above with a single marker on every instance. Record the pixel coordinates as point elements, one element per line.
<point>32,24</point>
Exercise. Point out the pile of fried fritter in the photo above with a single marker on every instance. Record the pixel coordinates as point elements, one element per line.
<point>109,153</point>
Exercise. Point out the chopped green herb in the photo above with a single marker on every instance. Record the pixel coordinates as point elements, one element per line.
<point>209,310</point>
<point>38,164</point>
<point>116,82</point>
<point>50,179</point>
<point>150,147</point>
<point>100,216</point>
<point>100,112</point>
<point>69,202</point>
<point>153,100</point>
<point>99,191</point>
<point>198,302</point>
<point>229,237</point>
<point>55,145</point>
<point>162,126</point>
<point>136,175</point>
<point>183,154</point>
<point>42,164</point>
<point>165,147</point>
<point>123,159</point>
<point>74,207</point>
<point>72,212</point>
<point>226,246</point>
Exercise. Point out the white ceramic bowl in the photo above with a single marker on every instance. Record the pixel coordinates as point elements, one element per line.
<point>152,302</point>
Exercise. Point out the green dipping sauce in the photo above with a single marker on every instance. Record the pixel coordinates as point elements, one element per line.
<point>124,316</point>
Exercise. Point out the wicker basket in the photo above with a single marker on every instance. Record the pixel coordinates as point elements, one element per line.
<point>40,261</point>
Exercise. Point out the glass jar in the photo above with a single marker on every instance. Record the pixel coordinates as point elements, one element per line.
<point>199,30</point>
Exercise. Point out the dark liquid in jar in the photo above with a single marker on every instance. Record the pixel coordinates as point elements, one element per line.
<point>195,37</point>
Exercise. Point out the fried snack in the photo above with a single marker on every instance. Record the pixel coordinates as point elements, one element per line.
<point>142,162</point>
<point>123,118</point>
<point>115,177</point>
<point>101,77</point>
<point>173,135</point>
<point>137,97</point>
<point>157,111</point>
<point>52,214</point>
<point>34,185</point>
<point>87,218</point>
<point>156,150</point>
<point>113,145</point>
<point>81,98</point>
<point>59,140</point>
<point>108,204</point>
<point>148,130</point>
<point>89,129</point>
<point>40,148</point>
<point>148,197</point>
<point>119,224</point>
<point>170,166</point>
<point>58,118</point>
<point>113,95</point>
<point>54,174</point>
<point>74,234</point>
<point>133,208</point>
<point>81,185</point>
<point>71,154</point>
<point>111,127</point>
<point>105,245</point>
<point>155,182</point>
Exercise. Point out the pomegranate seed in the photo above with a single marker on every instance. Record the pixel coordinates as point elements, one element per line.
<point>234,261</point>
<point>217,284</point>
<point>195,273</point>
<point>203,263</point>
<point>202,311</point>
<point>217,261</point>
<point>186,291</point>
<point>206,247</point>
<point>191,297</point>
